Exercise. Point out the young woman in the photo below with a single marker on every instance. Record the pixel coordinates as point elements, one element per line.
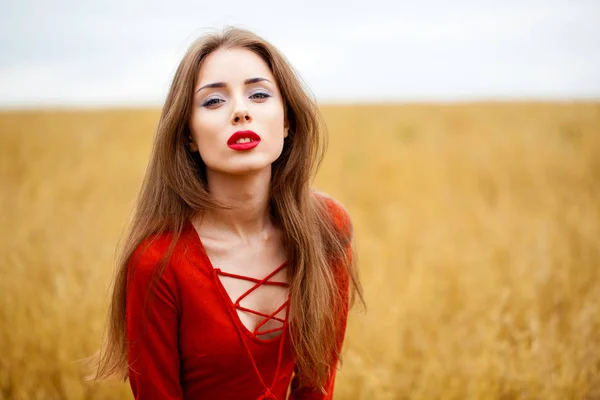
<point>236,276</point>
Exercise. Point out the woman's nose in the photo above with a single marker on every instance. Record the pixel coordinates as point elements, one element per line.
<point>242,116</point>
<point>241,113</point>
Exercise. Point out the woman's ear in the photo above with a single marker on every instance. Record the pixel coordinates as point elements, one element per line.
<point>286,129</point>
<point>192,144</point>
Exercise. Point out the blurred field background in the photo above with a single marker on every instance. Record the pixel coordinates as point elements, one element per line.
<point>477,229</point>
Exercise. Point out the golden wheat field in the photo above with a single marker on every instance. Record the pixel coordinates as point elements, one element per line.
<point>477,230</point>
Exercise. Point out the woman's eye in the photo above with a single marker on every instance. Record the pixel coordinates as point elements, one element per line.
<point>211,102</point>
<point>260,95</point>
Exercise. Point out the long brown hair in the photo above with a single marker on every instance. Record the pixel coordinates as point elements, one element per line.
<point>175,188</point>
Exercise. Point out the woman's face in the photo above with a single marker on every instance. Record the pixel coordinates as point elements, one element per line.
<point>236,92</point>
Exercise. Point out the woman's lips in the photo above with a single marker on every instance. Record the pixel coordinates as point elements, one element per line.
<point>254,140</point>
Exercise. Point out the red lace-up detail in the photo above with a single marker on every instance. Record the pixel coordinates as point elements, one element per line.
<point>267,394</point>
<point>258,283</point>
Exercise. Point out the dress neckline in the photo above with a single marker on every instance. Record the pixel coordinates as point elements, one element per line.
<point>233,306</point>
<point>240,327</point>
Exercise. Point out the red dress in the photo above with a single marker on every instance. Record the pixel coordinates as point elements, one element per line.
<point>192,345</point>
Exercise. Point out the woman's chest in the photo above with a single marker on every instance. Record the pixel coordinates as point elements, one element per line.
<point>252,281</point>
<point>214,351</point>
<point>221,314</point>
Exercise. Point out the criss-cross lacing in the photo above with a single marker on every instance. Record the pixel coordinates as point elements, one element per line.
<point>267,394</point>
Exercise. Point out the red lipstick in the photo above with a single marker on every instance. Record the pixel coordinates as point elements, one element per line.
<point>245,145</point>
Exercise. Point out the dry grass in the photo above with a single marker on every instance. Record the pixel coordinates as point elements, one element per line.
<point>478,230</point>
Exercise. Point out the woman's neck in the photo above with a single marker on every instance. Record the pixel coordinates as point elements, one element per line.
<point>248,196</point>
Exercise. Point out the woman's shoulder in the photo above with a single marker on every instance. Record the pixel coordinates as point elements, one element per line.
<point>150,250</point>
<point>155,249</point>
<point>337,211</point>
<point>343,225</point>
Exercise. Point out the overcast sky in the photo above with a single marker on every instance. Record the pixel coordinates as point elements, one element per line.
<point>108,52</point>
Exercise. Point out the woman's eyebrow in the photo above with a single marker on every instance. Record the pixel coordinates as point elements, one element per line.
<point>248,81</point>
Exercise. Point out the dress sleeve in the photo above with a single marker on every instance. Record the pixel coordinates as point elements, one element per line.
<point>342,220</point>
<point>152,329</point>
